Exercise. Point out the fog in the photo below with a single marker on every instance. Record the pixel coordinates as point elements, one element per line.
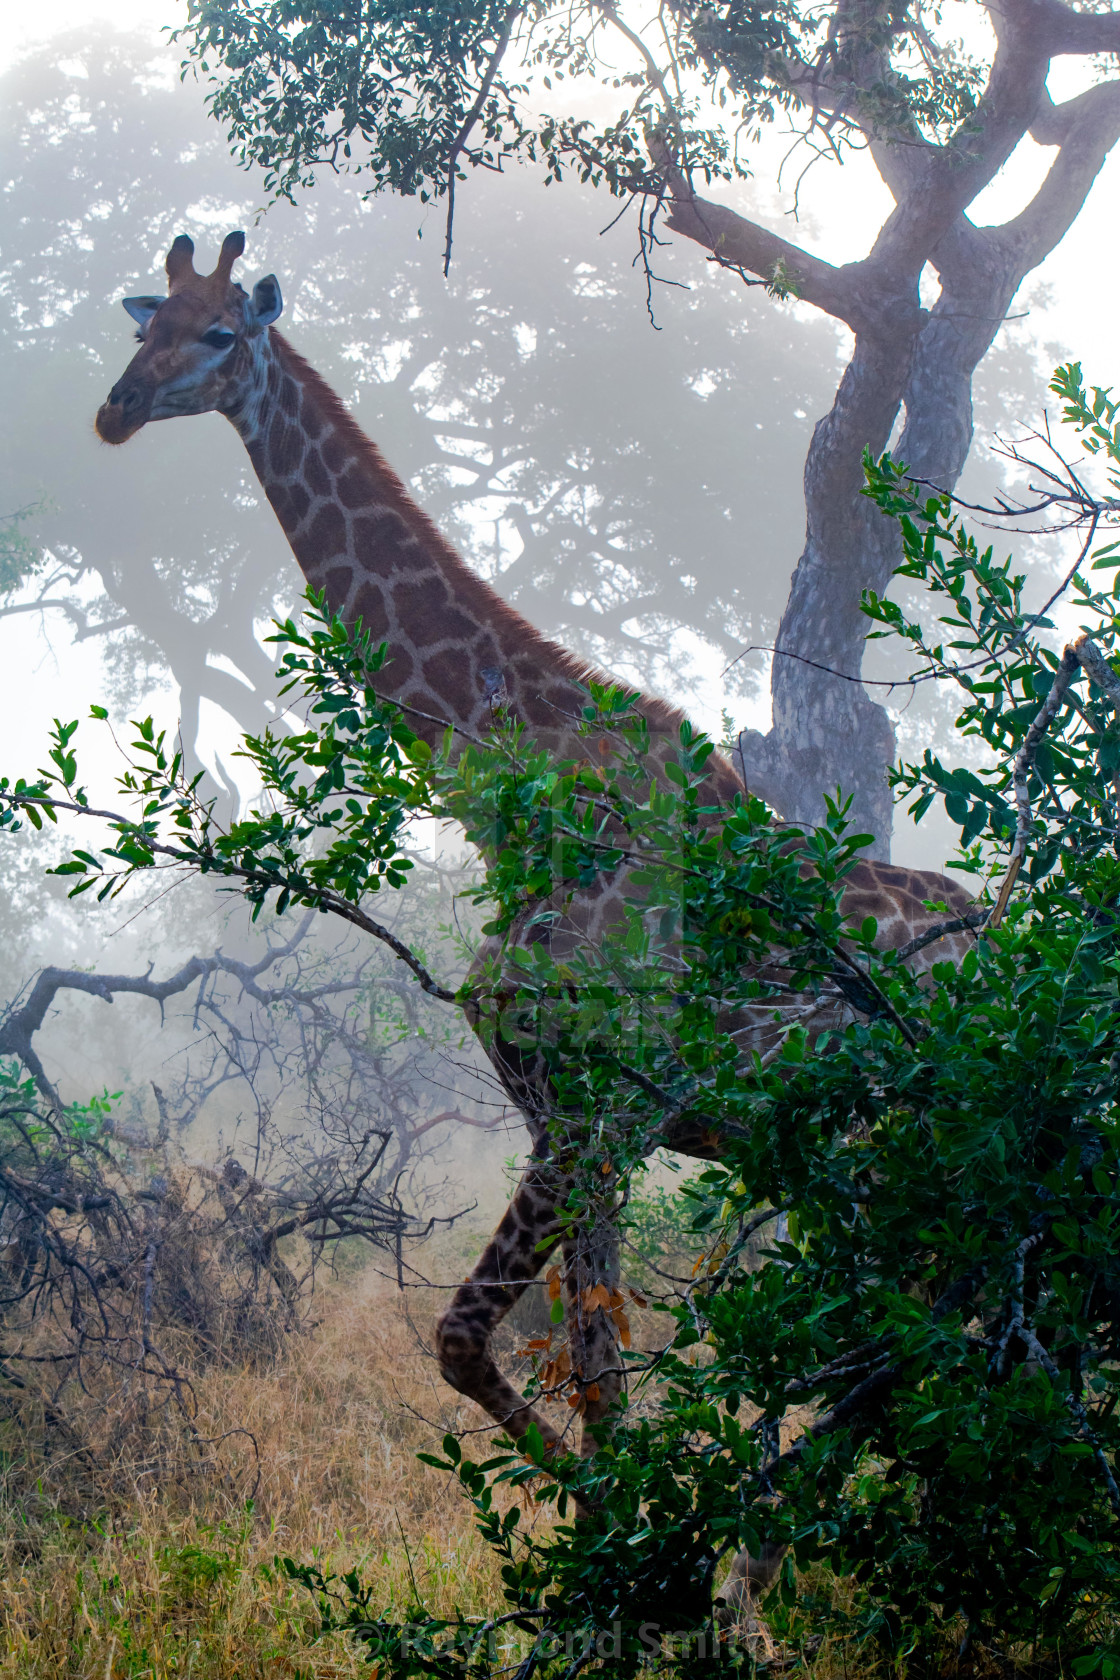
<point>633,488</point>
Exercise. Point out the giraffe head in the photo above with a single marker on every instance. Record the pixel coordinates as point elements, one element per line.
<point>198,346</point>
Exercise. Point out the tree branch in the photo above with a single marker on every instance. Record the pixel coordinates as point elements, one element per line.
<point>738,243</point>
<point>1065,31</point>
<point>1020,776</point>
<point>1085,129</point>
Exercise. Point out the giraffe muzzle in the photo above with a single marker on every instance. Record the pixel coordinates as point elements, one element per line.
<point>127,409</point>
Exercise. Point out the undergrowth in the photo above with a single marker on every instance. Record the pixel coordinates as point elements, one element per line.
<point>178,1579</point>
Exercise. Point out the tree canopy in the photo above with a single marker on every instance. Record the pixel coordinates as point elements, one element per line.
<point>410,96</point>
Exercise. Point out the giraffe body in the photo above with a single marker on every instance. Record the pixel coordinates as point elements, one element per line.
<point>455,649</point>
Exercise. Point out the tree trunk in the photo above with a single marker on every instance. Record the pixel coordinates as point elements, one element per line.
<point>827,731</point>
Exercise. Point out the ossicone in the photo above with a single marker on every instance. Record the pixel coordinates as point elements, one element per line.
<point>180,261</point>
<point>232,246</point>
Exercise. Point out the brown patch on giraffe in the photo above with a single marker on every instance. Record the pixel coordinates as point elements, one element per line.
<point>327,536</point>
<point>417,601</point>
<point>338,583</point>
<point>291,503</point>
<point>335,453</point>
<point>370,606</point>
<point>449,675</point>
<point>560,698</point>
<point>315,474</point>
<point>551,709</point>
<point>288,398</point>
<point>352,489</point>
<point>401,663</point>
<point>381,531</point>
<point>455,626</point>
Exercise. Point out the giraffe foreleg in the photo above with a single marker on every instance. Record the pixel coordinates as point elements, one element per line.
<point>527,1234</point>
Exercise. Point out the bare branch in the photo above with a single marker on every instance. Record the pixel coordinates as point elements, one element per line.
<point>738,243</point>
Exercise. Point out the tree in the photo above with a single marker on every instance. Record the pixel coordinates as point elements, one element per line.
<point>409,98</point>
<point>302,1036</point>
<point>947,1156</point>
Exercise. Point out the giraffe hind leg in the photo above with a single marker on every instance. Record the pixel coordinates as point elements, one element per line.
<point>526,1236</point>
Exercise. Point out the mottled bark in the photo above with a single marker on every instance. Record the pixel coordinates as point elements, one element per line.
<point>827,730</point>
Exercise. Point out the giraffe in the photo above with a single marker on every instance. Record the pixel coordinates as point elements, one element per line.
<point>454,648</point>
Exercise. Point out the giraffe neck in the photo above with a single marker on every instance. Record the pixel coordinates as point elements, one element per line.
<point>453,645</point>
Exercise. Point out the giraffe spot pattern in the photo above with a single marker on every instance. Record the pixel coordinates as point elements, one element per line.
<point>450,676</point>
<point>400,662</point>
<point>291,502</point>
<point>337,584</point>
<point>352,489</point>
<point>371,607</point>
<point>336,454</point>
<point>371,532</point>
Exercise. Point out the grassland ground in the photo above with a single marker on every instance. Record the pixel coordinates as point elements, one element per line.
<point>161,1568</point>
<point>169,1574</point>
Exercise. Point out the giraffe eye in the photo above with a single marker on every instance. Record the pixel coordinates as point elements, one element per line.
<point>219,338</point>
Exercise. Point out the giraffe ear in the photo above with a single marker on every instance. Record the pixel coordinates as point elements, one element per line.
<point>142,308</point>
<point>266,302</point>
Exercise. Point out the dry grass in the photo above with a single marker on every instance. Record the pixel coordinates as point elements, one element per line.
<point>153,1575</point>
<point>173,1580</point>
<point>171,1575</point>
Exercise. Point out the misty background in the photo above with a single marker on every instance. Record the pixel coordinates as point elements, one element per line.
<point>635,492</point>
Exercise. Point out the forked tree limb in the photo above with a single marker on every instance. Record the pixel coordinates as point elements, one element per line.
<point>906,360</point>
<point>19,1026</point>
